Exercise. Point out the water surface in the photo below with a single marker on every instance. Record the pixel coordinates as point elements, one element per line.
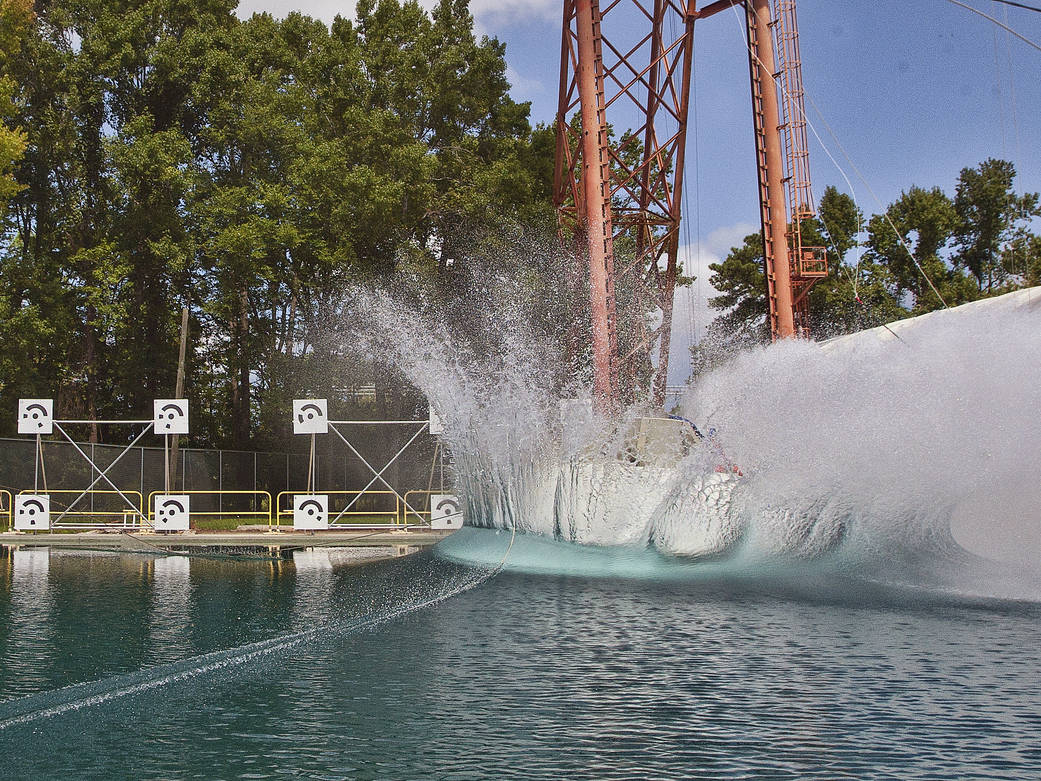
<point>123,666</point>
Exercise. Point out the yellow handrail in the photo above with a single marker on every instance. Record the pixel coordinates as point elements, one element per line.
<point>287,512</point>
<point>261,515</point>
<point>409,506</point>
<point>123,513</point>
<point>7,508</point>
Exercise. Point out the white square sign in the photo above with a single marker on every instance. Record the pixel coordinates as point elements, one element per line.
<point>445,512</point>
<point>310,416</point>
<point>32,512</point>
<point>310,511</point>
<point>172,513</point>
<point>35,416</point>
<point>436,426</point>
<point>170,416</point>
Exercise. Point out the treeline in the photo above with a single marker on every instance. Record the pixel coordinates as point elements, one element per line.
<point>162,154</point>
<point>157,155</point>
<point>927,250</point>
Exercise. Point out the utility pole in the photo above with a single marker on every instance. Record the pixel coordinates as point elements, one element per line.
<point>178,394</point>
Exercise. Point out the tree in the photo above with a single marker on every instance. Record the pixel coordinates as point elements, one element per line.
<point>15,17</point>
<point>253,170</point>
<point>921,277</point>
<point>742,292</point>
<point>990,218</point>
<point>837,305</point>
<point>1023,257</point>
<point>856,292</point>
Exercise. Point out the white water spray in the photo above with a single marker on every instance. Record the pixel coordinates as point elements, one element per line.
<point>859,450</point>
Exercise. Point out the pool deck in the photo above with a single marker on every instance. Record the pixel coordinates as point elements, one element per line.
<point>139,542</point>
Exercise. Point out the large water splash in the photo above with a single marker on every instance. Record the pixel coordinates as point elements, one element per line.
<point>882,438</point>
<point>859,450</point>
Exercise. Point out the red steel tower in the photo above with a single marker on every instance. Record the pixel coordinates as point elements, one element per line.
<point>620,194</point>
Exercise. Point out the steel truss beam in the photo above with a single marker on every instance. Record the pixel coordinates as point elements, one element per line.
<point>630,217</point>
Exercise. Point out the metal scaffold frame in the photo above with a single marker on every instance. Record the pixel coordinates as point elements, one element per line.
<point>637,183</point>
<point>35,417</point>
<point>310,418</point>
<point>627,191</point>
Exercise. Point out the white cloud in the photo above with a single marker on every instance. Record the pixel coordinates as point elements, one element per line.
<point>723,239</point>
<point>490,17</point>
<point>521,87</point>
<point>516,9</point>
<point>326,10</point>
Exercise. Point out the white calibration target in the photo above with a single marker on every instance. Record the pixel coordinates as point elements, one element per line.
<point>445,512</point>
<point>32,512</point>
<point>172,512</point>
<point>310,416</point>
<point>170,416</point>
<point>35,416</point>
<point>310,511</point>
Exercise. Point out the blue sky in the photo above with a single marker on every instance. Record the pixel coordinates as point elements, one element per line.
<point>913,91</point>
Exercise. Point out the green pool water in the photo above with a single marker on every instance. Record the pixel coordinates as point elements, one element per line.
<point>140,667</point>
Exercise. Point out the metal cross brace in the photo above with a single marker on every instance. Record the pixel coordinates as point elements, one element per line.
<point>103,475</point>
<point>378,475</point>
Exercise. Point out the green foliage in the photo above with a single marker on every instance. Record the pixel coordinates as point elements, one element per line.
<point>250,170</point>
<point>909,240</point>
<point>990,218</point>
<point>742,287</point>
<point>159,154</point>
<point>15,17</point>
<point>923,248</point>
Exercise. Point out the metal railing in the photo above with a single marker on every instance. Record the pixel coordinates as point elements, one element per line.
<point>361,509</point>
<point>411,513</point>
<point>123,515</point>
<point>259,509</point>
<point>350,509</point>
<point>7,508</point>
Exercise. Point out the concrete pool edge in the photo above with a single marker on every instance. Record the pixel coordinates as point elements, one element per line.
<point>134,542</point>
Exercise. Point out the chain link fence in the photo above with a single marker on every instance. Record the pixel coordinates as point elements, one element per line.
<point>142,469</point>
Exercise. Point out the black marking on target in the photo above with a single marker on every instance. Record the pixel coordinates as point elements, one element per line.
<point>311,415</point>
<point>170,506</point>
<point>311,503</point>
<point>171,412</point>
<point>27,509</point>
<point>37,416</point>
<point>447,502</point>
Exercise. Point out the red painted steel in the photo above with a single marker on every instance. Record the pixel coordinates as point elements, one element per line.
<point>622,193</point>
<point>640,80</point>
<point>770,167</point>
<point>808,264</point>
<point>596,206</point>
